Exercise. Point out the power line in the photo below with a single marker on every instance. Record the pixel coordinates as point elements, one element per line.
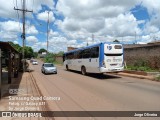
<point>18,16</point>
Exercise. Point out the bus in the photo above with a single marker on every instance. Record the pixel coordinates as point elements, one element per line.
<point>98,58</point>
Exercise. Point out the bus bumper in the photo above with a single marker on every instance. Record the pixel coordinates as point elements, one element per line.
<point>118,69</point>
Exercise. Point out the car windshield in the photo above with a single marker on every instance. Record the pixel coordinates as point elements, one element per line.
<point>48,65</point>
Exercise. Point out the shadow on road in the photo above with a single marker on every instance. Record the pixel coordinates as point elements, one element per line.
<point>102,76</point>
<point>98,75</point>
<point>13,87</point>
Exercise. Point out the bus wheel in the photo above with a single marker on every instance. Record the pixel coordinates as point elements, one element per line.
<point>67,67</point>
<point>83,70</point>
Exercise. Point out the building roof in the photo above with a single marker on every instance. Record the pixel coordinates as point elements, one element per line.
<point>126,46</point>
<point>6,45</point>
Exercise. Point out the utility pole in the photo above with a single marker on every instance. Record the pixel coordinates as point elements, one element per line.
<point>47,30</point>
<point>135,37</point>
<point>92,38</point>
<point>23,36</point>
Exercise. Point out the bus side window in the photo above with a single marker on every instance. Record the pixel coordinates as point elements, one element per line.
<point>86,53</point>
<point>63,57</point>
<point>81,54</point>
<point>95,52</point>
<point>66,57</point>
<point>76,55</point>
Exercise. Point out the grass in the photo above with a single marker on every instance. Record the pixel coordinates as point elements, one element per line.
<point>157,78</point>
<point>141,68</point>
<point>57,63</point>
<point>141,65</point>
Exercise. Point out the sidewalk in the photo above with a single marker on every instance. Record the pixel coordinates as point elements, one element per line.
<point>136,76</point>
<point>22,87</point>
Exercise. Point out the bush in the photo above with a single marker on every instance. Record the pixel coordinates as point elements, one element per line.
<point>141,63</point>
<point>157,78</point>
<point>50,58</point>
<point>139,68</point>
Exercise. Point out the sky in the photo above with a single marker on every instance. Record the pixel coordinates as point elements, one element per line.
<point>74,23</point>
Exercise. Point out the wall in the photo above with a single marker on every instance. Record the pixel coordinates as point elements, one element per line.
<point>59,59</point>
<point>149,54</point>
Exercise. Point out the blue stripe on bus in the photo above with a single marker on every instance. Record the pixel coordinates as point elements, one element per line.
<point>101,56</point>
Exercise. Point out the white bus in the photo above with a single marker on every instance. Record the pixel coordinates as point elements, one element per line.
<point>98,58</point>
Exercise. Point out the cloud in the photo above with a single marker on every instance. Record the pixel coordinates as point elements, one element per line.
<point>12,30</point>
<point>8,36</point>
<point>11,26</point>
<point>102,18</point>
<point>31,30</point>
<point>9,30</point>
<point>93,8</point>
<point>31,39</point>
<point>38,45</point>
<point>15,42</point>
<point>122,25</point>
<point>153,7</point>
<point>108,20</point>
<point>7,7</point>
<point>53,34</point>
<point>44,16</point>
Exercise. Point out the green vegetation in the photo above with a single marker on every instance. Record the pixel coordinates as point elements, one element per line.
<point>57,62</point>
<point>16,46</point>
<point>42,50</point>
<point>50,57</point>
<point>28,51</point>
<point>142,68</point>
<point>60,53</point>
<point>116,41</point>
<point>35,54</point>
<point>141,65</point>
<point>157,78</point>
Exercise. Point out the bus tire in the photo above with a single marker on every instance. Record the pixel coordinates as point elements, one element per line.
<point>83,70</point>
<point>67,67</point>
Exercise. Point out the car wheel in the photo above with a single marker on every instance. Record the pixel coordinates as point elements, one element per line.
<point>83,70</point>
<point>67,68</point>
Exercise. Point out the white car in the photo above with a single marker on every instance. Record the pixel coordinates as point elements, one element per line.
<point>48,68</point>
<point>34,62</point>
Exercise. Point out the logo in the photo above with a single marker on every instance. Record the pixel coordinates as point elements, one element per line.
<point>109,47</point>
<point>6,114</point>
<point>16,91</point>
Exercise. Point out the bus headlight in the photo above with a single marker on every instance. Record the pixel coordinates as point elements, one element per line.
<point>103,64</point>
<point>108,60</point>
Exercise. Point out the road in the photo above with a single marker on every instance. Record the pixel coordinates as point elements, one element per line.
<point>98,93</point>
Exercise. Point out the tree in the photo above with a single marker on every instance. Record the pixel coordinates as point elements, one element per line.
<point>28,52</point>
<point>116,41</point>
<point>50,57</point>
<point>60,53</point>
<point>16,46</point>
<point>35,54</point>
<point>42,50</point>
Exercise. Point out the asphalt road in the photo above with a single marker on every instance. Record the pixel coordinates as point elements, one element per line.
<point>98,93</point>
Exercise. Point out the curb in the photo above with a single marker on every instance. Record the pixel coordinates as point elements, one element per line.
<point>137,76</point>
